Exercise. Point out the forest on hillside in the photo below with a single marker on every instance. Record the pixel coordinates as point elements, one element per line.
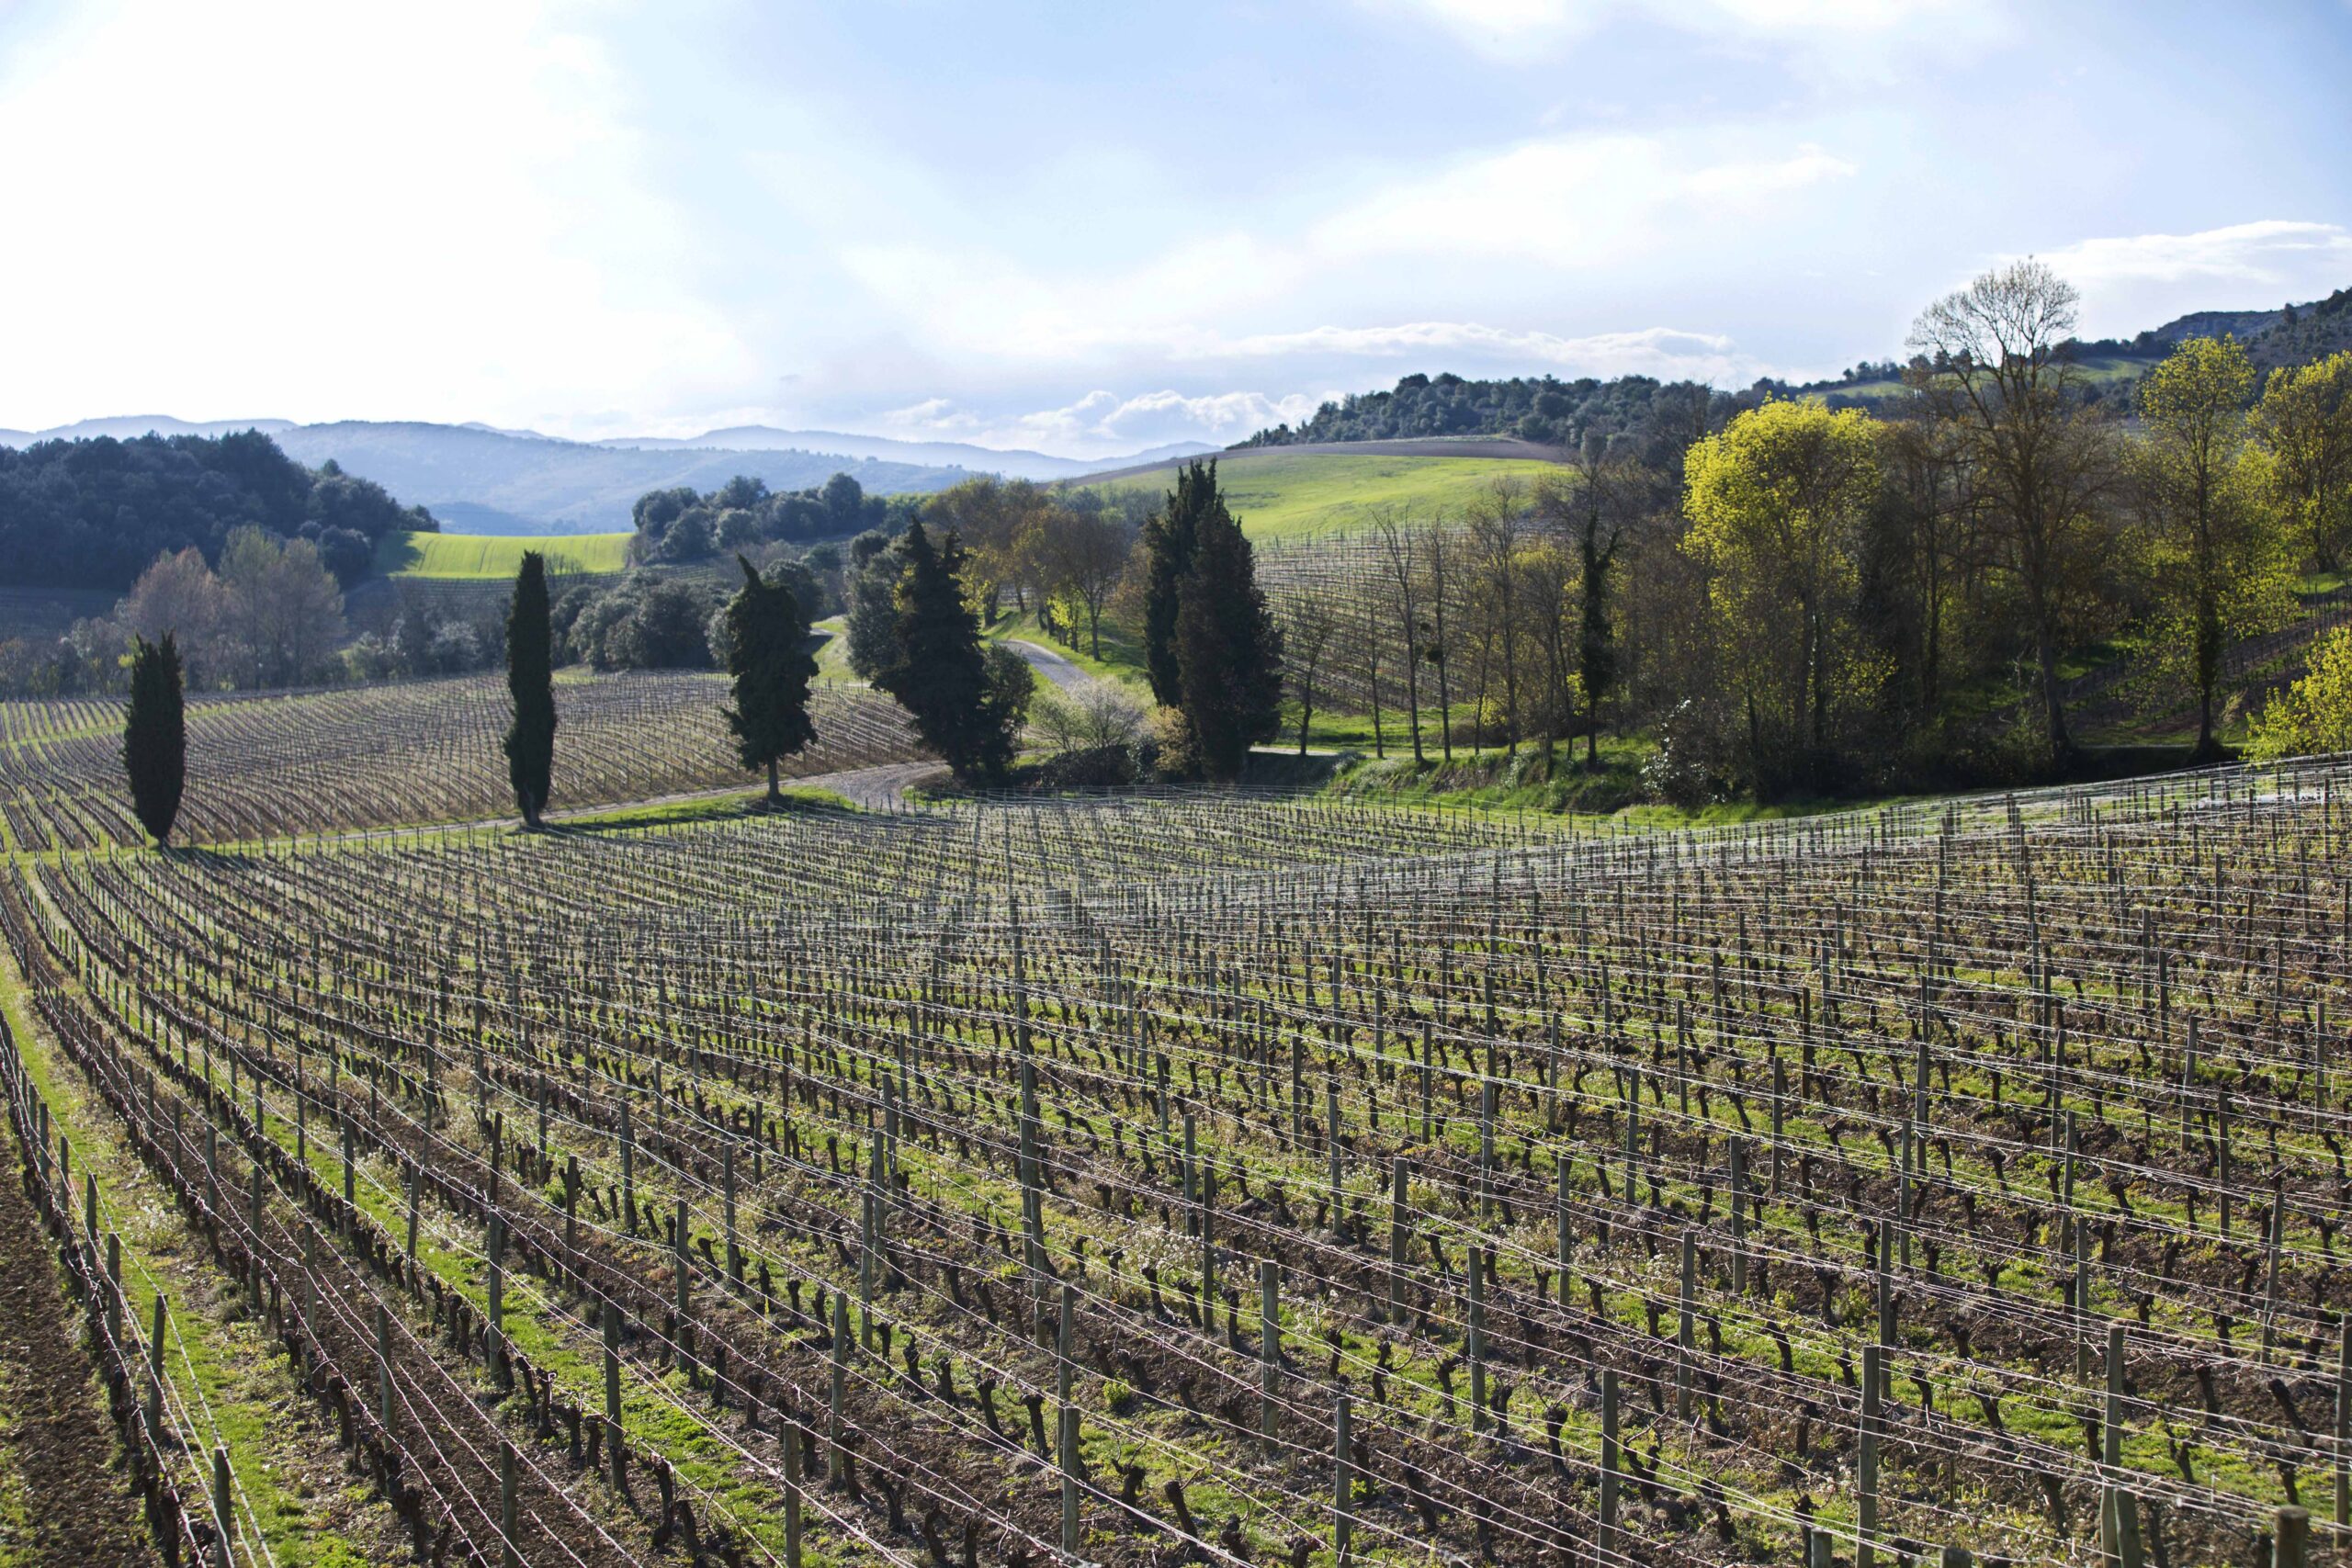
<point>97,513</point>
<point>1552,412</point>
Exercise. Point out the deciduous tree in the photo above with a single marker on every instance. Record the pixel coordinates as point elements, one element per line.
<point>1997,366</point>
<point>2304,422</point>
<point>1775,503</point>
<point>2220,567</point>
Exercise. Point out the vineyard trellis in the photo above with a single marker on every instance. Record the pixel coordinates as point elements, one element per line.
<point>1204,1176</point>
<point>425,752</point>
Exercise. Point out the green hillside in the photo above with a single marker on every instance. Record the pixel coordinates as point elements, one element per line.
<point>1279,494</point>
<point>496,555</point>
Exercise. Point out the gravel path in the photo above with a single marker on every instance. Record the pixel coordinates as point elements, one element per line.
<point>1048,663</point>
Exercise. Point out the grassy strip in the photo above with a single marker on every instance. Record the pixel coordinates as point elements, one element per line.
<point>216,1356</point>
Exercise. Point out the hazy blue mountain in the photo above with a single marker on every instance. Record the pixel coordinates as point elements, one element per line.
<point>480,479</point>
<point>123,426</point>
<point>487,481</point>
<point>1012,463</point>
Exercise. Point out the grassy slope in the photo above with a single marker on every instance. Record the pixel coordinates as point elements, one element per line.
<point>491,555</point>
<point>2099,370</point>
<point>1282,494</point>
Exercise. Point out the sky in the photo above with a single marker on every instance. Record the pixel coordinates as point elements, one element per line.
<point>1087,228</point>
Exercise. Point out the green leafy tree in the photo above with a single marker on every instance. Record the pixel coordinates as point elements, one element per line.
<point>2220,566</point>
<point>1170,537</point>
<point>1775,506</point>
<point>154,736</point>
<point>767,654</point>
<point>870,626</point>
<point>1229,651</point>
<point>2304,422</point>
<point>2314,715</point>
<point>967,702</point>
<point>530,677</point>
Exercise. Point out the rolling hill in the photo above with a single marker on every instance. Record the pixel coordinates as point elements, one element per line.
<point>1293,492</point>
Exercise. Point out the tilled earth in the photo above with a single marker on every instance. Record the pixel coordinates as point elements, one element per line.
<point>57,1450</point>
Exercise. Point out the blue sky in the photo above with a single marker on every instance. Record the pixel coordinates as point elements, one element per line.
<point>1089,228</point>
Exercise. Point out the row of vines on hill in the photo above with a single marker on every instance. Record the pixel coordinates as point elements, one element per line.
<point>421,753</point>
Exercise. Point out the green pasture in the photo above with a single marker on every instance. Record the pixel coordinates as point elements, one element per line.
<point>1279,494</point>
<point>496,555</point>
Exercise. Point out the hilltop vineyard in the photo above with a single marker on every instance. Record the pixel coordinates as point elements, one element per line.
<point>1224,1181</point>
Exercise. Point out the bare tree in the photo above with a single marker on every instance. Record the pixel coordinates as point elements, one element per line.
<point>1084,555</point>
<point>1306,640</point>
<point>1998,368</point>
<point>1400,551</point>
<point>1438,546</point>
<point>1497,526</point>
<point>1546,587</point>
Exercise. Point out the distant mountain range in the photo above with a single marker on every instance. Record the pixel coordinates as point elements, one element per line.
<point>1014,463</point>
<point>479,479</point>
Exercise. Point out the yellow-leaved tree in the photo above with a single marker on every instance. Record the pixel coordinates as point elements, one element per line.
<point>2219,565</point>
<point>1776,505</point>
<point>2315,712</point>
<point>2304,422</point>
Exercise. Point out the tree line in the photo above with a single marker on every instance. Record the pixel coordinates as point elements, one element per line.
<point>96,514</point>
<point>1790,598</point>
<point>681,525</point>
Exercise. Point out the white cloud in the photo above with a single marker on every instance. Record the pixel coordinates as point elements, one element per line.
<point>1102,423</point>
<point>1664,352</point>
<point>2129,282</point>
<point>1570,201</point>
<point>1582,202</point>
<point>1841,36</point>
<point>2271,252</point>
<point>272,206</point>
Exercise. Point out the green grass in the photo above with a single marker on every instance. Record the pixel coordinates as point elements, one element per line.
<point>1122,659</point>
<point>219,1358</point>
<point>1279,494</point>
<point>496,555</point>
<point>729,807</point>
<point>2105,370</point>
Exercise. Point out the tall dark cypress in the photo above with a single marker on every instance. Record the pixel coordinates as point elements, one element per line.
<point>768,653</point>
<point>1229,648</point>
<point>154,736</point>
<point>967,702</point>
<point>1170,537</point>
<point>530,676</point>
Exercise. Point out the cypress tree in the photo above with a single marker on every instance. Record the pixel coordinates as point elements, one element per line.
<point>1229,648</point>
<point>1169,538</point>
<point>768,653</point>
<point>967,702</point>
<point>154,736</point>
<point>530,677</point>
